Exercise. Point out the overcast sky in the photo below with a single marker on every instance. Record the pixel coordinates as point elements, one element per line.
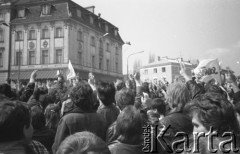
<point>192,29</point>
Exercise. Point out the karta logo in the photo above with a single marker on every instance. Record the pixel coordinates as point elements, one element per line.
<point>179,142</point>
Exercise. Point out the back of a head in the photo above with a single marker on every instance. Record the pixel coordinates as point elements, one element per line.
<point>83,143</point>
<point>214,88</point>
<point>82,96</point>
<point>124,97</point>
<point>14,116</point>
<point>5,89</point>
<point>160,105</point>
<point>129,125</point>
<point>38,118</point>
<point>145,87</point>
<point>214,110</point>
<point>106,92</point>
<point>177,96</point>
<point>52,116</point>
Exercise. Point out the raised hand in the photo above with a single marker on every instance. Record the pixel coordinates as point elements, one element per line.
<point>33,76</point>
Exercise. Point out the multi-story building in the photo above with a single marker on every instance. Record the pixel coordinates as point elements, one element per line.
<point>5,13</point>
<point>46,34</point>
<point>164,69</point>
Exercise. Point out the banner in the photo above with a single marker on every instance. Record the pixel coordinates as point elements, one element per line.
<point>71,71</point>
<point>208,69</point>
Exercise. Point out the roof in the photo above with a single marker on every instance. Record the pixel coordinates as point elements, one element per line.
<point>62,10</point>
<point>165,62</point>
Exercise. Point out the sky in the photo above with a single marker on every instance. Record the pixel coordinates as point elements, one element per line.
<point>191,29</point>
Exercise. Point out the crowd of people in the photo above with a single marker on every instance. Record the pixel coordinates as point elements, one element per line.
<point>97,117</point>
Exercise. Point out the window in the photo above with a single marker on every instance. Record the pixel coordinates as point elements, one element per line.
<point>116,66</point>
<point>80,57</point>
<point>145,72</point>
<point>80,36</point>
<point>19,36</point>
<point>32,35</point>
<point>45,33</point>
<point>107,63</point>
<point>93,61</point>
<point>2,16</point>
<point>31,58</point>
<point>21,13</point>
<point>100,44</point>
<point>164,69</point>
<point>106,28</point>
<point>155,70</point>
<point>108,50</point>
<point>79,13</point>
<point>91,19</point>
<point>93,42</point>
<point>1,35</point>
<point>58,32</point>
<point>46,9</point>
<point>1,59</point>
<point>44,56</point>
<point>100,63</point>
<point>59,56</point>
<point>19,58</point>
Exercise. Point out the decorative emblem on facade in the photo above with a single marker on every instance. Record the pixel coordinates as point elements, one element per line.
<point>31,45</point>
<point>45,44</point>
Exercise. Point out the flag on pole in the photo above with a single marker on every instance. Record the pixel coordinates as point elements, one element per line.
<point>208,69</point>
<point>71,71</point>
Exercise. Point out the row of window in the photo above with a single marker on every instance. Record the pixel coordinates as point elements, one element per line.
<point>155,70</point>
<point>100,62</point>
<point>32,34</point>
<point>44,57</point>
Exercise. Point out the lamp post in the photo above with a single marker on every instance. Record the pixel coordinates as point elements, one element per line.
<point>10,53</point>
<point>130,56</point>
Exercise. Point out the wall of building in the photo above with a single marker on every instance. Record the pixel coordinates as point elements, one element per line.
<point>4,45</point>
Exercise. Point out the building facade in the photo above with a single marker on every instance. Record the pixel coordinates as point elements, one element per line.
<point>5,15</point>
<point>45,35</point>
<point>164,69</point>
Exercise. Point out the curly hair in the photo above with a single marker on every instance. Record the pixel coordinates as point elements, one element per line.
<point>214,110</point>
<point>82,96</point>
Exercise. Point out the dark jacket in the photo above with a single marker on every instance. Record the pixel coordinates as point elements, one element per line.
<point>78,120</point>
<point>117,147</point>
<point>15,147</point>
<point>27,93</point>
<point>45,136</point>
<point>110,113</point>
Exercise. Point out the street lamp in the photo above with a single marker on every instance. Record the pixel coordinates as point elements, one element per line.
<point>130,56</point>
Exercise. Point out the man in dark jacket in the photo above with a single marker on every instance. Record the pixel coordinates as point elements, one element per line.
<point>81,117</point>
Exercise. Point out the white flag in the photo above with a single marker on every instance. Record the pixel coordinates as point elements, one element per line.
<point>71,73</point>
<point>208,69</point>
